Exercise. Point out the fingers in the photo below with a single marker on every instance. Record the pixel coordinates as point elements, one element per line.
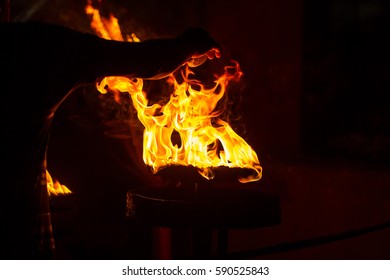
<point>210,54</point>
<point>201,43</point>
<point>213,53</point>
<point>198,59</point>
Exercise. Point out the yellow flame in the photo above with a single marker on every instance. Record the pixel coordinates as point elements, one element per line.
<point>107,28</point>
<point>54,187</point>
<point>206,141</point>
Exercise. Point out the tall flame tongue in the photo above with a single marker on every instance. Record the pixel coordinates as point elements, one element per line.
<point>206,141</point>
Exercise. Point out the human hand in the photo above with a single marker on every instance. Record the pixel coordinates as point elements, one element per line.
<point>203,46</point>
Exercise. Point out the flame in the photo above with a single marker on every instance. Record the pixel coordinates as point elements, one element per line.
<point>206,141</point>
<point>107,28</point>
<point>54,187</point>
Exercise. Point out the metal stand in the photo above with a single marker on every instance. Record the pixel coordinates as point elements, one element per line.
<point>202,211</point>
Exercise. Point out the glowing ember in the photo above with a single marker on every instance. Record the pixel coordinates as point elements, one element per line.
<point>206,141</point>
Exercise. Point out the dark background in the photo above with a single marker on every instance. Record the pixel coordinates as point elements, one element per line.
<point>313,107</point>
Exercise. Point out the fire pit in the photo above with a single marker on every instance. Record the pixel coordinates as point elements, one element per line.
<point>188,139</point>
<point>189,142</point>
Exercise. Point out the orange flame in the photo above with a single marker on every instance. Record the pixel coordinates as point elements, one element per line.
<point>54,187</point>
<point>107,28</point>
<point>206,141</point>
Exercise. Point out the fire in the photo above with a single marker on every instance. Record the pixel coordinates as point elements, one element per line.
<point>107,28</point>
<point>206,141</point>
<point>54,187</point>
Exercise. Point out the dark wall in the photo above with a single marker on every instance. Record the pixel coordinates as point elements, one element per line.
<point>265,37</point>
<point>345,79</point>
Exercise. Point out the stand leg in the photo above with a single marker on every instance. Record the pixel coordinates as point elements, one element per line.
<point>222,241</point>
<point>201,243</point>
